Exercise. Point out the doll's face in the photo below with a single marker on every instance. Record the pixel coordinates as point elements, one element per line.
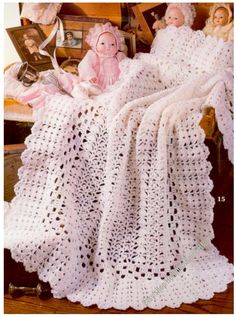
<point>221,16</point>
<point>106,45</point>
<point>174,17</point>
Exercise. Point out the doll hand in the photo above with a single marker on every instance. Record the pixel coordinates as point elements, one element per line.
<point>85,90</point>
<point>93,80</point>
<point>94,87</point>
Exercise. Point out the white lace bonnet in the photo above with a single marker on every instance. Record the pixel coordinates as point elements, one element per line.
<point>187,10</point>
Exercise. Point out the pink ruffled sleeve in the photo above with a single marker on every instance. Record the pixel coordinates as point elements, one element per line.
<point>87,67</point>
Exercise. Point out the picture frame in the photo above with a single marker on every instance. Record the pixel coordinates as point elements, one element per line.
<point>79,27</point>
<point>26,40</point>
<point>146,20</point>
<point>73,39</point>
<point>130,42</point>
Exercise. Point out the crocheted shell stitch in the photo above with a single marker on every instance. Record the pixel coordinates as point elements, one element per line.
<point>113,203</point>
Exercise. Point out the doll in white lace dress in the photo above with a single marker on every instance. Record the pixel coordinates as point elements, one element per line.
<point>220,22</point>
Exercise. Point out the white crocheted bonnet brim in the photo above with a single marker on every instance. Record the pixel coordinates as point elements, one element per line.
<point>97,30</point>
<point>217,6</point>
<point>187,10</point>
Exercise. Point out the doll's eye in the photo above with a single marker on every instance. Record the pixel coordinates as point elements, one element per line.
<point>113,44</point>
<point>102,43</point>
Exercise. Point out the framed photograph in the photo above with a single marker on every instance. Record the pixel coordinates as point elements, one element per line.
<point>26,40</point>
<point>129,43</point>
<point>73,39</point>
<point>75,31</point>
<point>145,13</point>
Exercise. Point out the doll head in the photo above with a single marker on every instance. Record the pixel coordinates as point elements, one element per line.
<point>174,17</point>
<point>104,39</point>
<point>180,14</point>
<point>220,14</point>
<point>106,45</point>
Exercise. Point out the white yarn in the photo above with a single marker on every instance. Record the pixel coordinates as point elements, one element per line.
<point>114,192</point>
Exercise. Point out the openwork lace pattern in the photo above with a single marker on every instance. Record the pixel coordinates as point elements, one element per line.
<point>114,196</point>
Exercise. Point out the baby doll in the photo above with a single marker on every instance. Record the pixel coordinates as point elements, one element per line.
<point>100,66</point>
<point>220,22</point>
<point>176,14</point>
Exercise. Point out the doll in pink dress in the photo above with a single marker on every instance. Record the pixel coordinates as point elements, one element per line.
<point>100,66</point>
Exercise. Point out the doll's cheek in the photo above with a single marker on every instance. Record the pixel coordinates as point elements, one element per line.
<point>100,49</point>
<point>114,50</point>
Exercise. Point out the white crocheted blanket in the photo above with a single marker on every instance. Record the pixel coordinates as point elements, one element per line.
<point>113,206</point>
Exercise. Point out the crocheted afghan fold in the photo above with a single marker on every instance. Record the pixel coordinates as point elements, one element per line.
<point>113,203</point>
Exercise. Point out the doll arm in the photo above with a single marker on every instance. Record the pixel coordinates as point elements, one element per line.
<point>86,67</point>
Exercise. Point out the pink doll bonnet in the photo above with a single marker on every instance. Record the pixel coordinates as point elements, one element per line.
<point>97,30</point>
<point>187,10</point>
<point>217,6</point>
